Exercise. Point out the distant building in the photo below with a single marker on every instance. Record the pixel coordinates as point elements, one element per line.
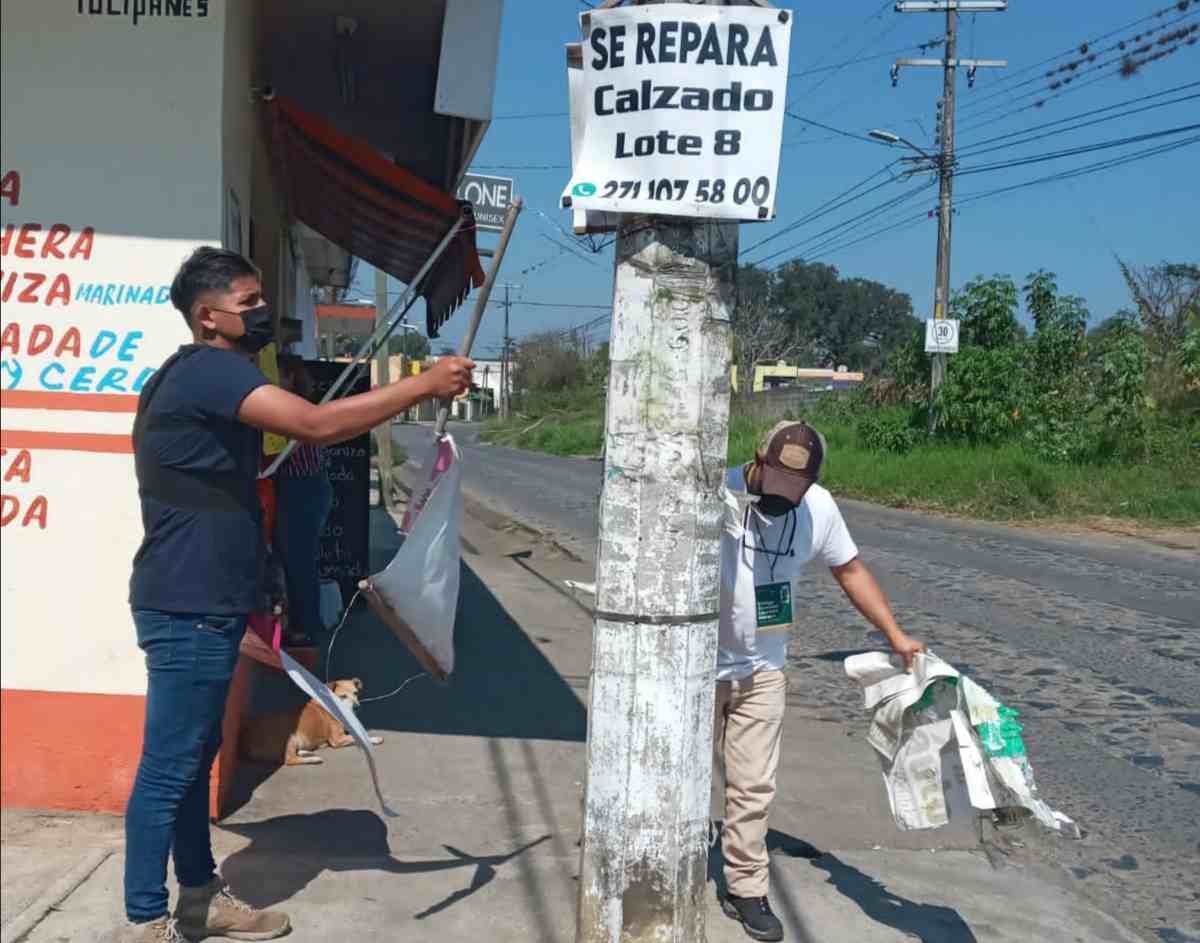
<point>780,375</point>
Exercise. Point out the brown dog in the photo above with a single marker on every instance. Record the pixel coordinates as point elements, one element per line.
<point>290,737</point>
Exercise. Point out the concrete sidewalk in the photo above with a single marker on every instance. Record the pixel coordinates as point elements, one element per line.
<point>486,773</point>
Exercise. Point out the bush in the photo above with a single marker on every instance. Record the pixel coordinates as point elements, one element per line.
<point>888,431</point>
<point>983,396</point>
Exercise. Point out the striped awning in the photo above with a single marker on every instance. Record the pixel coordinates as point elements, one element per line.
<point>359,200</point>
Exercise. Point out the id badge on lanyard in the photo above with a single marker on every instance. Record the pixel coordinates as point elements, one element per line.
<point>773,599</point>
<point>773,606</point>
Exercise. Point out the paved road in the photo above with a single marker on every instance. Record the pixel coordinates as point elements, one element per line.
<point>1096,641</point>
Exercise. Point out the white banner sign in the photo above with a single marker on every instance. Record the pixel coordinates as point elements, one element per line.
<point>682,110</point>
<point>941,336</point>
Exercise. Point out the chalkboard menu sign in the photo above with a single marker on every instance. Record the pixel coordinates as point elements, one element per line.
<point>345,544</point>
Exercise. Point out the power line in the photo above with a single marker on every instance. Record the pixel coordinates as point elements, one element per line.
<point>838,66</point>
<point>1082,171</point>
<point>850,33</point>
<point>521,167</point>
<point>555,304</point>
<point>1124,63</point>
<point>844,224</point>
<point>531,115</point>
<point>829,206</point>
<point>907,223</point>
<point>1084,49</point>
<point>829,127</point>
<point>1097,167</point>
<point>1074,151</point>
<point>978,145</point>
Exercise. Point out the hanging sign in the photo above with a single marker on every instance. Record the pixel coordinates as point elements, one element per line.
<point>941,336</point>
<point>682,111</point>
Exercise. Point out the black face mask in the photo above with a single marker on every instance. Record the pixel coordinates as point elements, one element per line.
<point>260,329</point>
<point>774,505</point>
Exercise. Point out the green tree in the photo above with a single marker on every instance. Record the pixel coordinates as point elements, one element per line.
<point>547,363</point>
<point>856,322</point>
<point>1121,383</point>
<point>1167,299</point>
<point>411,344</point>
<point>1060,396</point>
<point>987,310</point>
<point>983,396</point>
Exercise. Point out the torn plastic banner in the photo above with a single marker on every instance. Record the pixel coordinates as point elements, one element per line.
<point>926,727</point>
<point>416,595</point>
<point>336,709</point>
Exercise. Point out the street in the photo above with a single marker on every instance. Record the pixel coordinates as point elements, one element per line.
<point>1094,639</point>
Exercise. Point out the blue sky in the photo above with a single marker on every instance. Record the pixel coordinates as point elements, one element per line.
<point>1144,211</point>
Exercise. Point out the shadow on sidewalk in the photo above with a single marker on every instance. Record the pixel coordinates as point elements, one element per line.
<point>502,685</point>
<point>929,922</point>
<point>289,852</point>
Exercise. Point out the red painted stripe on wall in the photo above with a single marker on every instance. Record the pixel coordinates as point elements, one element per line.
<point>69,751</point>
<point>84,402</point>
<point>67,441</point>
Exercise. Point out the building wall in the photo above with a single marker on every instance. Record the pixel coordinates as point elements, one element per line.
<point>114,129</point>
<point>238,122</point>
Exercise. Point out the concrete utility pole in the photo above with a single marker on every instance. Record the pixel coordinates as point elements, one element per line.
<point>644,861</point>
<point>949,64</point>
<point>383,433</point>
<point>645,850</point>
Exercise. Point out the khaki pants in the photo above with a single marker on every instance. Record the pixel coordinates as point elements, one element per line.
<point>747,728</point>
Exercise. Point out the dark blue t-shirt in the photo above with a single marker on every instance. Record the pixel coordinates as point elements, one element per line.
<point>196,469</point>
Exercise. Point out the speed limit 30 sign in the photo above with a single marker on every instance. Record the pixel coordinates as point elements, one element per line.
<point>941,336</point>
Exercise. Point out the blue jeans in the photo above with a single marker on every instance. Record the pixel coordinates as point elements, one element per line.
<point>190,661</point>
<point>304,504</point>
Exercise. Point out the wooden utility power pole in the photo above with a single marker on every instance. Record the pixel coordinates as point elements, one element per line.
<point>949,64</point>
<point>383,433</point>
<point>506,357</point>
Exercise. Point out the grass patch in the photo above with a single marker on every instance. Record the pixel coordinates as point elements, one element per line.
<point>575,428</point>
<point>1001,482</point>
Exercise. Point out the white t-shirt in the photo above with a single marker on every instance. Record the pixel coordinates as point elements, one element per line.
<point>758,553</point>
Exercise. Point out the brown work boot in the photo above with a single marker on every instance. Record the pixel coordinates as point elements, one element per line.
<point>212,910</point>
<point>162,930</point>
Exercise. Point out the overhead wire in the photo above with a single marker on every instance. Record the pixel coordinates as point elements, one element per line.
<point>1074,151</point>
<point>1120,64</point>
<point>847,223</point>
<point>1096,167</point>
<point>978,146</point>
<point>829,205</point>
<point>1084,48</point>
<point>829,127</point>
<point>966,199</point>
<point>837,66</point>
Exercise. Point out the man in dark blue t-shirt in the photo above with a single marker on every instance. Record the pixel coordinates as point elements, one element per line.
<point>197,443</point>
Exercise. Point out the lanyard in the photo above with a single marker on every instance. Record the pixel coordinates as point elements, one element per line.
<point>772,555</point>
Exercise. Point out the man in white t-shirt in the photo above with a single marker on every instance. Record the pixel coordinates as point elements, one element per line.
<point>777,519</point>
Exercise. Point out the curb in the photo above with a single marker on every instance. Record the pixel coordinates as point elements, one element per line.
<point>27,920</point>
<point>486,513</point>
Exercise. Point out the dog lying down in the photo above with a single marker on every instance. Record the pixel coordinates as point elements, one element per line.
<point>291,737</point>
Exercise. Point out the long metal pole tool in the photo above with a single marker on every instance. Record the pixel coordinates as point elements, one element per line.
<point>387,615</point>
<point>379,336</point>
<point>485,293</point>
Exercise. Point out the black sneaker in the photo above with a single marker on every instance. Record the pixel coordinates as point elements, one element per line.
<point>755,916</point>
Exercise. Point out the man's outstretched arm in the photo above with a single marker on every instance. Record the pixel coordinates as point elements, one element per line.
<point>860,587</point>
<point>276,410</point>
